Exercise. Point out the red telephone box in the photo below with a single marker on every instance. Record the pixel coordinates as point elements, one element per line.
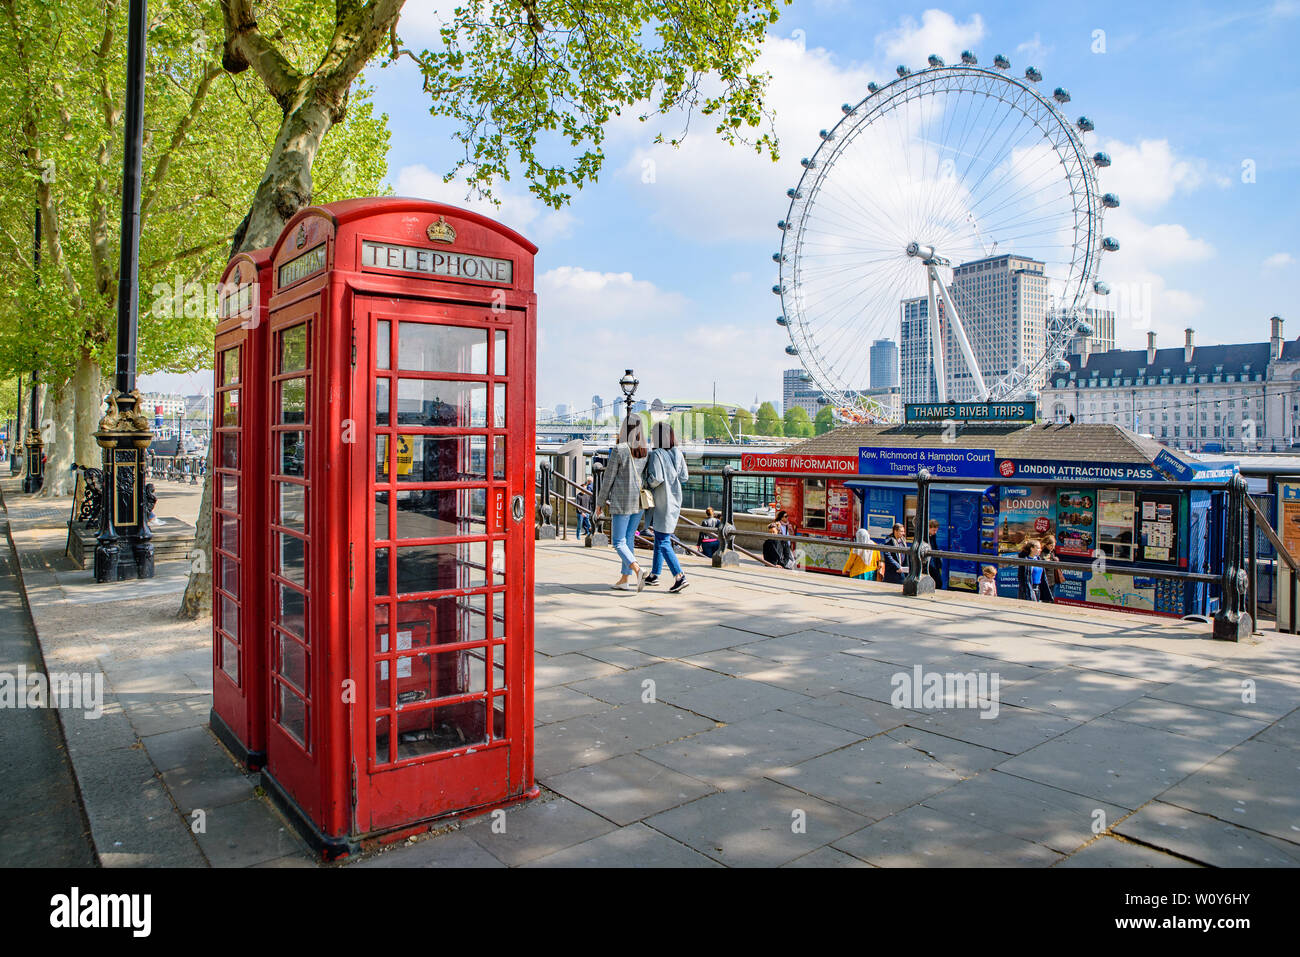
<point>239,642</point>
<point>399,496</point>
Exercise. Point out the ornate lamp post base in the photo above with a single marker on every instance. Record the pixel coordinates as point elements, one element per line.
<point>34,474</point>
<point>125,543</point>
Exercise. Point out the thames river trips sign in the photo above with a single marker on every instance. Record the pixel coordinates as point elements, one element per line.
<point>1001,412</point>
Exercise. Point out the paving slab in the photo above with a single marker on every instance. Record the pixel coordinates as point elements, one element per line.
<point>568,669</point>
<point>923,837</point>
<point>1217,727</point>
<point>1108,851</point>
<point>442,850</point>
<point>1011,730</point>
<point>647,684</point>
<point>827,857</point>
<point>1284,733</point>
<point>730,699</point>
<point>535,830</point>
<point>1250,696</point>
<point>592,738</point>
<point>633,846</point>
<point>1206,839</point>
<point>628,788</point>
<point>1027,810</point>
<point>246,833</point>
<point>762,825</point>
<point>559,703</point>
<point>873,778</point>
<point>1114,761</point>
<point>1077,693</point>
<point>960,756</point>
<point>865,717</point>
<point>733,756</point>
<point>1253,786</point>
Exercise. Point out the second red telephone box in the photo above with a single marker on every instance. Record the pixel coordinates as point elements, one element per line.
<point>238,464</point>
<point>399,490</point>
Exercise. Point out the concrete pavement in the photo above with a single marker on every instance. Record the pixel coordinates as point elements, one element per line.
<point>757,719</point>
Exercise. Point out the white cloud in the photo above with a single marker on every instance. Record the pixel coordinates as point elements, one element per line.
<point>1278,260</point>
<point>592,325</point>
<point>1033,51</point>
<point>1148,174</point>
<point>521,211</point>
<point>938,32</point>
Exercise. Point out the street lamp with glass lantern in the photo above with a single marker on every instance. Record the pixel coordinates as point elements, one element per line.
<point>628,384</point>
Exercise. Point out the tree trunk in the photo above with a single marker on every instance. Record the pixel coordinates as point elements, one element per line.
<point>56,429</point>
<point>285,189</point>
<point>88,387</point>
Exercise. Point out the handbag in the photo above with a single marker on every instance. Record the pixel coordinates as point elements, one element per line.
<point>647,498</point>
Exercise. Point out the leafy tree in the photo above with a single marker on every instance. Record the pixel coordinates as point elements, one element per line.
<point>767,422</point>
<point>824,421</point>
<point>742,423</point>
<point>206,136</point>
<point>797,423</point>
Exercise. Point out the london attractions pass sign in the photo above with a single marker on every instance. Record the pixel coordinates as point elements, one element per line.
<point>940,412</point>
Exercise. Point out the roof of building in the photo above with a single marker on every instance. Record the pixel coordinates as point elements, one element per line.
<point>1077,442</point>
<point>1206,360</point>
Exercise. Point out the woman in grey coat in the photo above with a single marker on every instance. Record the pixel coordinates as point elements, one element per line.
<point>664,474</point>
<point>620,492</point>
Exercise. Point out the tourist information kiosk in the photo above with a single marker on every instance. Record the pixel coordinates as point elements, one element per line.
<point>239,640</point>
<point>399,494</point>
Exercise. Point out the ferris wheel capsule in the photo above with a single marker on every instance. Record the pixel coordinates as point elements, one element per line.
<point>873,87</point>
<point>807,163</point>
<point>1083,328</point>
<point>1101,288</point>
<point>1101,159</point>
<point>1032,74</point>
<point>935,60</point>
<point>825,135</point>
<point>1110,200</point>
<point>793,193</point>
<point>1110,245</point>
<point>968,58</point>
<point>1061,95</point>
<point>902,71</point>
<point>1062,365</point>
<point>782,225</point>
<point>778,257</point>
<point>782,321</point>
<point>1001,62</point>
<point>1085,125</point>
<point>791,351</point>
<point>778,290</point>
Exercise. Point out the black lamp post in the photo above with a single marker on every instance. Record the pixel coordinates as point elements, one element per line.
<point>628,384</point>
<point>16,434</point>
<point>34,475</point>
<point>124,432</point>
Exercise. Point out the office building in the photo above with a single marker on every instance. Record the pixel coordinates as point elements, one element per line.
<point>884,364</point>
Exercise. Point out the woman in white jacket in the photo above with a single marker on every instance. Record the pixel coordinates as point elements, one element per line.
<point>665,472</point>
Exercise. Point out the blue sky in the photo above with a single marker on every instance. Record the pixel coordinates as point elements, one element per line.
<point>673,277</point>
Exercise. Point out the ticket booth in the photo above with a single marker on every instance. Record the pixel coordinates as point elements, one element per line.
<point>399,495</point>
<point>239,635</point>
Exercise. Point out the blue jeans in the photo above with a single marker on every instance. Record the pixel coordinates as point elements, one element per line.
<point>584,523</point>
<point>623,535</point>
<point>664,553</point>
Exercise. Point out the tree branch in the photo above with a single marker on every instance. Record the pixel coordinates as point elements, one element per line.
<point>245,46</point>
<point>178,138</point>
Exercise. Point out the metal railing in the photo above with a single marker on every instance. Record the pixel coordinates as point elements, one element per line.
<point>184,469</point>
<point>1236,579</point>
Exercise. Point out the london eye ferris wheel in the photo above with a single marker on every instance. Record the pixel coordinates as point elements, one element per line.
<point>956,209</point>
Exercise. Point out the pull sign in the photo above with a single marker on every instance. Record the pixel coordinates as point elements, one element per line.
<point>517,508</point>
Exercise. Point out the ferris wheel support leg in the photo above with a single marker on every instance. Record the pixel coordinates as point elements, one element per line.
<point>954,321</point>
<point>936,343</point>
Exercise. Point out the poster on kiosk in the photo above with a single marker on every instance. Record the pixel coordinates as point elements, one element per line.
<point>397,547</point>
